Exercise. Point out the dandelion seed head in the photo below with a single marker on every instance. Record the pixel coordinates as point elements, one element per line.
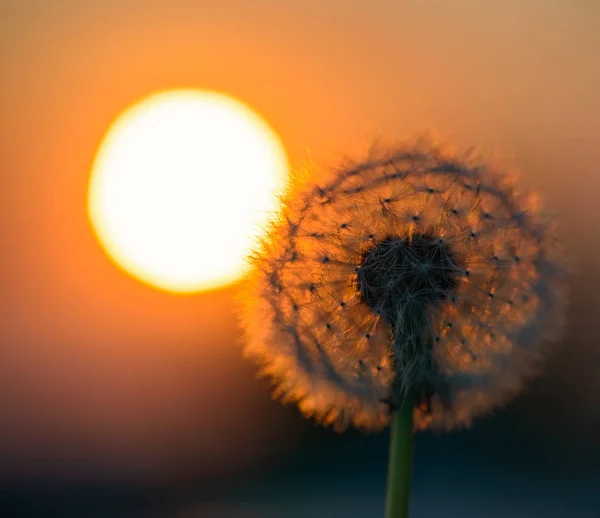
<point>414,277</point>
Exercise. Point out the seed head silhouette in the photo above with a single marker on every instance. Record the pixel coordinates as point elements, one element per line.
<point>417,277</point>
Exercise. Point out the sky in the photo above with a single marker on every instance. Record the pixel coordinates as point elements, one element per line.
<point>109,387</point>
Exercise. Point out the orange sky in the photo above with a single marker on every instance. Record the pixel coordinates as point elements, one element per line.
<point>96,367</point>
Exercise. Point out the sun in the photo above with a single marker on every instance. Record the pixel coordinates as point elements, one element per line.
<point>181,187</point>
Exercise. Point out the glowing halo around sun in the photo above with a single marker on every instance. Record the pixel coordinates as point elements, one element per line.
<point>181,186</point>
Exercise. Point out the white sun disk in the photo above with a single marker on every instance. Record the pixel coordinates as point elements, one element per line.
<point>181,187</point>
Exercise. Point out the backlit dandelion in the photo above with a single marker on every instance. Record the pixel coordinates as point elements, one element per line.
<point>416,280</point>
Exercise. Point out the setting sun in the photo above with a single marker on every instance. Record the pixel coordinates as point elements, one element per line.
<point>181,187</point>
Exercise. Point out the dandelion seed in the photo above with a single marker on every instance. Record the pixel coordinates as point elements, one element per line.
<point>439,293</point>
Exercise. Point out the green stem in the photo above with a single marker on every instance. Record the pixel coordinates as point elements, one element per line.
<point>400,462</point>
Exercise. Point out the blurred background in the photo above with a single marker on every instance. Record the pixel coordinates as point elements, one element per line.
<point>120,400</point>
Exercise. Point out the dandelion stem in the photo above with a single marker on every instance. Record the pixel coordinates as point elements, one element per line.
<point>400,462</point>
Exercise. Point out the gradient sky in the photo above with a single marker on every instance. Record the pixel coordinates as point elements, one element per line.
<point>103,377</point>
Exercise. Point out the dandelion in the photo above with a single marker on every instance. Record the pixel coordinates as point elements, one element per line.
<point>417,284</point>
